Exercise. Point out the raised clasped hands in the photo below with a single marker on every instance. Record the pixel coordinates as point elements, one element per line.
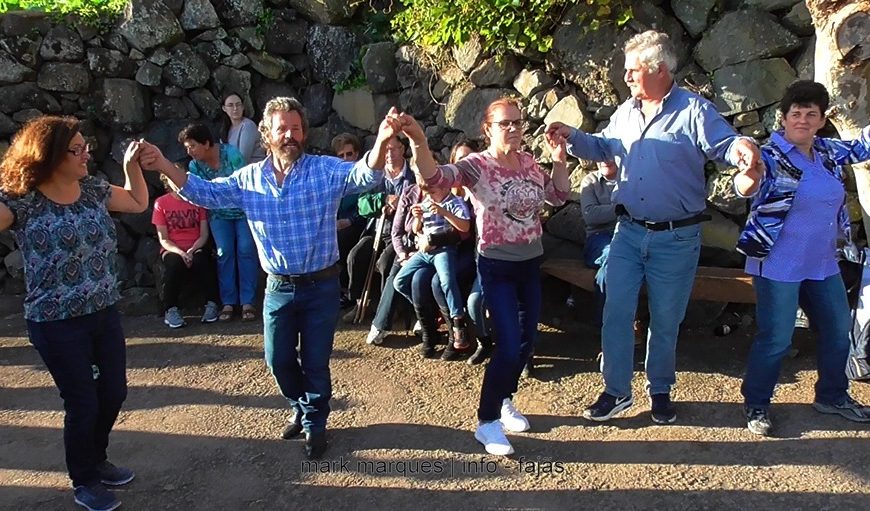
<point>133,153</point>
<point>558,145</point>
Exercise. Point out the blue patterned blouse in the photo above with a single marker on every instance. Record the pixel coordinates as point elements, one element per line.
<point>68,250</point>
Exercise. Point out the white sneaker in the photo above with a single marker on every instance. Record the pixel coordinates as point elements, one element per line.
<point>511,419</point>
<point>491,435</point>
<point>375,336</point>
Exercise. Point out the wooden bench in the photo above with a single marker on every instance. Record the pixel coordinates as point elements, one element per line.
<point>711,284</point>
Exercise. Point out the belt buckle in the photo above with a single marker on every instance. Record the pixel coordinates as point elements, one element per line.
<point>649,225</point>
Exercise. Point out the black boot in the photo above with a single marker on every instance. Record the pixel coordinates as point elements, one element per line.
<point>483,351</point>
<point>429,334</point>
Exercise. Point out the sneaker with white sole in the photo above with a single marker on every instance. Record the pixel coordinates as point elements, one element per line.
<point>607,407</point>
<point>849,408</point>
<point>173,318</point>
<point>376,336</point>
<point>491,435</point>
<point>511,419</point>
<point>758,421</point>
<point>211,313</point>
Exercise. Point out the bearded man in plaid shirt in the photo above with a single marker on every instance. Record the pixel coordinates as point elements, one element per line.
<point>290,200</point>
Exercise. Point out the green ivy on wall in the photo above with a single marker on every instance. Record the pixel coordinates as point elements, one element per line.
<point>501,25</point>
<point>96,12</point>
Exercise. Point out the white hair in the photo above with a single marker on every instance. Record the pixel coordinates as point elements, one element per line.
<point>653,48</point>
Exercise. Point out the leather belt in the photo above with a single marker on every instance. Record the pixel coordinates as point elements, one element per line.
<point>664,226</point>
<point>308,278</point>
<point>673,224</point>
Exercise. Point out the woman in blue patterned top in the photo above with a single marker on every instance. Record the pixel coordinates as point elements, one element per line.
<point>60,217</point>
<point>238,268</point>
<point>796,220</point>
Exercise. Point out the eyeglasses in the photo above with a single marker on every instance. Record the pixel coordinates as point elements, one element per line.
<point>79,150</point>
<point>347,155</point>
<point>234,105</point>
<point>507,124</point>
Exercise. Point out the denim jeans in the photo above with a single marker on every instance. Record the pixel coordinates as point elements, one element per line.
<point>477,309</point>
<point>238,267</point>
<point>444,262</point>
<point>825,304</point>
<point>465,271</point>
<point>87,359</point>
<point>298,333</point>
<point>595,256</point>
<point>513,295</point>
<point>387,304</point>
<point>667,261</point>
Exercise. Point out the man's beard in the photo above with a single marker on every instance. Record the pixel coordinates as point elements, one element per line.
<point>289,151</point>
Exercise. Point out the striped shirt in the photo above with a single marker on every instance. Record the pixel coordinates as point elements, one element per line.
<point>293,224</point>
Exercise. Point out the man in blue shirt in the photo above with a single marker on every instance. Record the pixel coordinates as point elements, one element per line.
<point>660,138</point>
<point>290,200</point>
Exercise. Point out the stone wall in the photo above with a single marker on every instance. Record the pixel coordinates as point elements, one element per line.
<point>168,62</point>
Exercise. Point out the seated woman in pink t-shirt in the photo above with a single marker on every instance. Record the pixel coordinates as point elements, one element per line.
<point>182,229</point>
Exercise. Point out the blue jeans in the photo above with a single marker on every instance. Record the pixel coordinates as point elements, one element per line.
<point>298,332</point>
<point>825,304</point>
<point>464,270</point>
<point>513,295</point>
<point>477,309</point>
<point>383,319</point>
<point>444,262</point>
<point>595,256</point>
<point>667,261</point>
<point>87,358</point>
<point>238,267</point>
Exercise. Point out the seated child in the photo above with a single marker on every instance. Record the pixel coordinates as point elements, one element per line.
<point>438,213</point>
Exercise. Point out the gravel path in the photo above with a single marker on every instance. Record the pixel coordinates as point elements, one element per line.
<point>201,426</point>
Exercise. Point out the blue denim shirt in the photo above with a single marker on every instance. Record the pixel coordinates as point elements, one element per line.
<point>293,224</point>
<point>661,162</point>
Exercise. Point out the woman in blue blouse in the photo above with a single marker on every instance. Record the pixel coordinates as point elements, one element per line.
<point>238,267</point>
<point>60,216</point>
<point>790,240</point>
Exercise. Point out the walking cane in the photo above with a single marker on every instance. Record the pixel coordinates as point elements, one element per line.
<point>360,315</point>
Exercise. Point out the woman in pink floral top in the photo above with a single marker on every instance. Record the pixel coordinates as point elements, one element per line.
<point>509,188</point>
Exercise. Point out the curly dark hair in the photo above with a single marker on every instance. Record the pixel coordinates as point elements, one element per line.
<point>36,151</point>
<point>805,93</point>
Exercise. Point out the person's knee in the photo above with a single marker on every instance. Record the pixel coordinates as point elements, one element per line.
<point>81,411</point>
<point>114,396</point>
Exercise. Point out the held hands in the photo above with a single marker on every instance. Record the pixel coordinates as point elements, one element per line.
<point>748,155</point>
<point>558,130</point>
<point>558,146</point>
<point>150,156</point>
<point>396,122</point>
<point>390,126</point>
<point>132,154</point>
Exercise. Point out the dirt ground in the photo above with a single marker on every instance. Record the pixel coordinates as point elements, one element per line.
<point>202,421</point>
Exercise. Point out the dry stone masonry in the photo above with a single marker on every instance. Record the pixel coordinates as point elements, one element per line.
<point>167,62</point>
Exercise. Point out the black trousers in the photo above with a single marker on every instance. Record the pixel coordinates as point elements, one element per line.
<point>202,274</point>
<point>87,359</point>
